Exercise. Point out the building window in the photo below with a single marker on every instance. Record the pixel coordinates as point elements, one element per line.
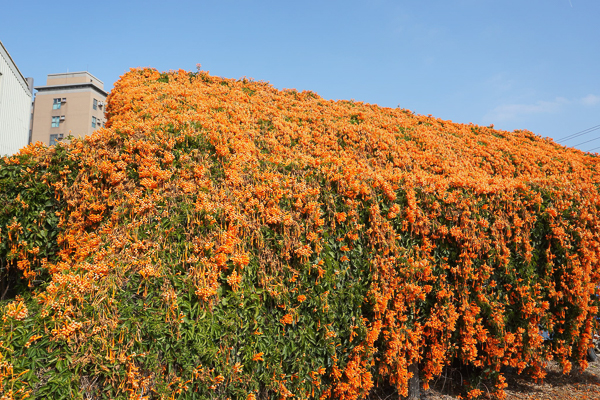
<point>93,122</point>
<point>55,138</point>
<point>56,104</point>
<point>55,122</point>
<point>95,104</point>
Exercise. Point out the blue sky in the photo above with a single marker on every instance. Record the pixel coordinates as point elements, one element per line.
<point>517,64</point>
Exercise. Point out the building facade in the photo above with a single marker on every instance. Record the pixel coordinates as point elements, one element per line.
<point>15,105</point>
<point>71,103</point>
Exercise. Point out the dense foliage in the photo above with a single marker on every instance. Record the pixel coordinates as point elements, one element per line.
<point>220,238</point>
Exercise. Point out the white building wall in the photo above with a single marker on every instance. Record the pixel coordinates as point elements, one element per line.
<point>15,106</point>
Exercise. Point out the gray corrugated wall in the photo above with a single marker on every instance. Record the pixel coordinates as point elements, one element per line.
<point>15,107</point>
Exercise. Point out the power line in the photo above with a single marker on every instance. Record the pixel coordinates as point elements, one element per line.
<point>587,141</point>
<point>583,132</point>
<point>576,134</point>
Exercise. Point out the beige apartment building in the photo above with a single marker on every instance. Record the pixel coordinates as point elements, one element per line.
<point>71,103</point>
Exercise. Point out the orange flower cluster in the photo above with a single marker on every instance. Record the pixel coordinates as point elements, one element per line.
<point>475,240</point>
<point>11,383</point>
<point>16,310</point>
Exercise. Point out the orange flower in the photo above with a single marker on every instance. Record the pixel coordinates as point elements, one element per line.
<point>238,367</point>
<point>341,217</point>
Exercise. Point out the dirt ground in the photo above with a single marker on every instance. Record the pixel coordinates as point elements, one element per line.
<point>556,386</point>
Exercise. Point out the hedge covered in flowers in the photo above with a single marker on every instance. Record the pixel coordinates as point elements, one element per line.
<point>220,238</point>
